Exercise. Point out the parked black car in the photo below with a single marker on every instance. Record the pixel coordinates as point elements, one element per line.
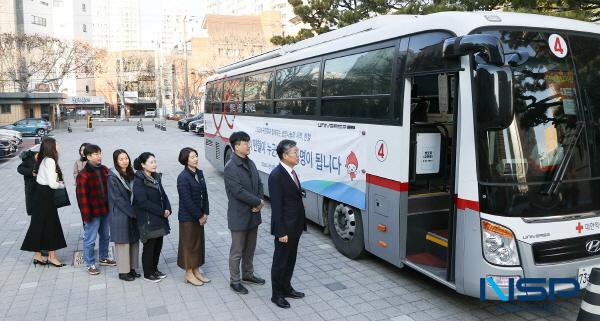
<point>184,123</point>
<point>197,126</point>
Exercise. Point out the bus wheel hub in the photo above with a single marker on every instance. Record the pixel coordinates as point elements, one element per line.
<point>344,222</point>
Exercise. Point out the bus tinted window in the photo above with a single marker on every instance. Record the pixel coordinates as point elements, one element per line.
<point>233,90</point>
<point>258,107</point>
<point>295,107</point>
<point>367,73</point>
<point>297,81</point>
<point>357,108</point>
<point>218,91</point>
<point>209,92</point>
<point>425,53</point>
<point>587,63</point>
<point>258,87</point>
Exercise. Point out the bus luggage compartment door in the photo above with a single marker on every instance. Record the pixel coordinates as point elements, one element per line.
<point>384,223</point>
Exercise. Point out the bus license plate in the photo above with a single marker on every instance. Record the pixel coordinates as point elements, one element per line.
<point>583,275</point>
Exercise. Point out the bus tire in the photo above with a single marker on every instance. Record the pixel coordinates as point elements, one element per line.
<point>346,229</point>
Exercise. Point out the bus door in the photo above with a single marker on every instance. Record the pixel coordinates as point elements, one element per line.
<point>431,82</point>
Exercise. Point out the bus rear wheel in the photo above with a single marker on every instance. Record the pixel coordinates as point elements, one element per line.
<point>346,229</point>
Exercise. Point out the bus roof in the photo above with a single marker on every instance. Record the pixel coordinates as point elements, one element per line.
<point>387,27</point>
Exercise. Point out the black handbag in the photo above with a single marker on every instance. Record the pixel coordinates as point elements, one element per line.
<point>61,198</point>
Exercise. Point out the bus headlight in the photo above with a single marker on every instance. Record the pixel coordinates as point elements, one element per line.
<point>499,244</point>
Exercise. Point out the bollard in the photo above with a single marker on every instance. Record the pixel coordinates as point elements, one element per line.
<point>590,305</point>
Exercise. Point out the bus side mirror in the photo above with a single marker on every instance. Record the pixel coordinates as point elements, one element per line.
<point>490,46</point>
<point>494,101</point>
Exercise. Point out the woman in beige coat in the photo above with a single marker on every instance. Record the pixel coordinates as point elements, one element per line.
<point>80,163</point>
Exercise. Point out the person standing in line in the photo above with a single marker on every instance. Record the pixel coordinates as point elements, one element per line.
<point>27,169</point>
<point>92,197</point>
<point>45,231</point>
<point>288,220</point>
<point>193,215</point>
<point>77,167</point>
<point>79,163</point>
<point>244,192</point>
<point>122,220</point>
<point>152,209</point>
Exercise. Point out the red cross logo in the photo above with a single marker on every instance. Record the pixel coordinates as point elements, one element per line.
<point>579,227</point>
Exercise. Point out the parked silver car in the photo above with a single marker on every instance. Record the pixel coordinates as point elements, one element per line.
<point>8,146</point>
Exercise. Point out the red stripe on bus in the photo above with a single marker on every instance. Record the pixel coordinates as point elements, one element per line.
<point>213,136</point>
<point>387,183</point>
<point>463,204</point>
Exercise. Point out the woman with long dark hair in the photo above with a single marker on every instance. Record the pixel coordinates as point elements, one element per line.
<point>45,231</point>
<point>122,219</point>
<point>193,214</point>
<point>152,209</point>
<point>80,162</point>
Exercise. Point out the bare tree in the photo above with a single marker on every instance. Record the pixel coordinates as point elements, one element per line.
<point>196,80</point>
<point>34,61</point>
<point>126,71</point>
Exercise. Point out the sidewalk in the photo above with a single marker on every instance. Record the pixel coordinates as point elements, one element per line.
<point>336,288</point>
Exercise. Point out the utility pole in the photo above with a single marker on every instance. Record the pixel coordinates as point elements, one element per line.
<point>186,93</point>
<point>173,95</point>
<point>120,86</point>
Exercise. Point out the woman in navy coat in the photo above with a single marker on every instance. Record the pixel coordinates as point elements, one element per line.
<point>152,209</point>
<point>193,214</point>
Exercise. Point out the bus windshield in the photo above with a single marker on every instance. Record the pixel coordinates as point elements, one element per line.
<point>547,162</point>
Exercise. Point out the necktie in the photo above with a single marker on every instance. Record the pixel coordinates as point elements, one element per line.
<point>296,180</point>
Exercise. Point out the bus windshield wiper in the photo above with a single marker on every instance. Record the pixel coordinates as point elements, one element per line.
<point>559,175</point>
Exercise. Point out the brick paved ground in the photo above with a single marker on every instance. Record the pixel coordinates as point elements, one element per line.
<point>336,288</point>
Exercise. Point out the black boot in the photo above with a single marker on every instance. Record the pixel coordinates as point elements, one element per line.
<point>126,277</point>
<point>134,273</point>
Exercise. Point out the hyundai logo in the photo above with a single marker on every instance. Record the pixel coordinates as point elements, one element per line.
<point>592,246</point>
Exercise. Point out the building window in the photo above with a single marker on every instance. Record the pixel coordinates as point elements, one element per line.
<point>84,28</point>
<point>39,21</point>
<point>83,7</point>
<point>87,88</point>
<point>5,109</point>
<point>44,3</point>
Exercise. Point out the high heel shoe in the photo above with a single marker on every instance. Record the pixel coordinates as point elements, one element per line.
<point>193,281</point>
<point>200,276</point>
<point>55,264</point>
<point>36,262</point>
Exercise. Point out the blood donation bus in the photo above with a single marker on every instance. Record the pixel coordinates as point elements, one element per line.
<point>463,145</point>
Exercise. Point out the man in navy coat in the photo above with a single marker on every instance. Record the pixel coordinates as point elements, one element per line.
<point>287,222</point>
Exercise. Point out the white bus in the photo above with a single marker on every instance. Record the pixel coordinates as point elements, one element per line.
<point>462,145</point>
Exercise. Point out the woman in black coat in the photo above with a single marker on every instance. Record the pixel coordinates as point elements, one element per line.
<point>27,169</point>
<point>193,214</point>
<point>121,216</point>
<point>152,209</point>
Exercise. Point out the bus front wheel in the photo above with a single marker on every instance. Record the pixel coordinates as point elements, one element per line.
<point>346,229</point>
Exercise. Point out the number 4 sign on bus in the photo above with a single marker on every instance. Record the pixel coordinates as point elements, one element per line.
<point>558,45</point>
<point>381,150</point>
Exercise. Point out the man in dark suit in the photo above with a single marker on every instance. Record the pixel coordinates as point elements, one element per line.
<point>287,222</point>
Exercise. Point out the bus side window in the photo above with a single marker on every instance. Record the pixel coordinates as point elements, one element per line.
<point>232,96</point>
<point>257,92</point>
<point>358,85</point>
<point>425,53</point>
<point>296,89</point>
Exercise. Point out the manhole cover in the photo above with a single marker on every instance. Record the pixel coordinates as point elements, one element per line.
<point>78,256</point>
